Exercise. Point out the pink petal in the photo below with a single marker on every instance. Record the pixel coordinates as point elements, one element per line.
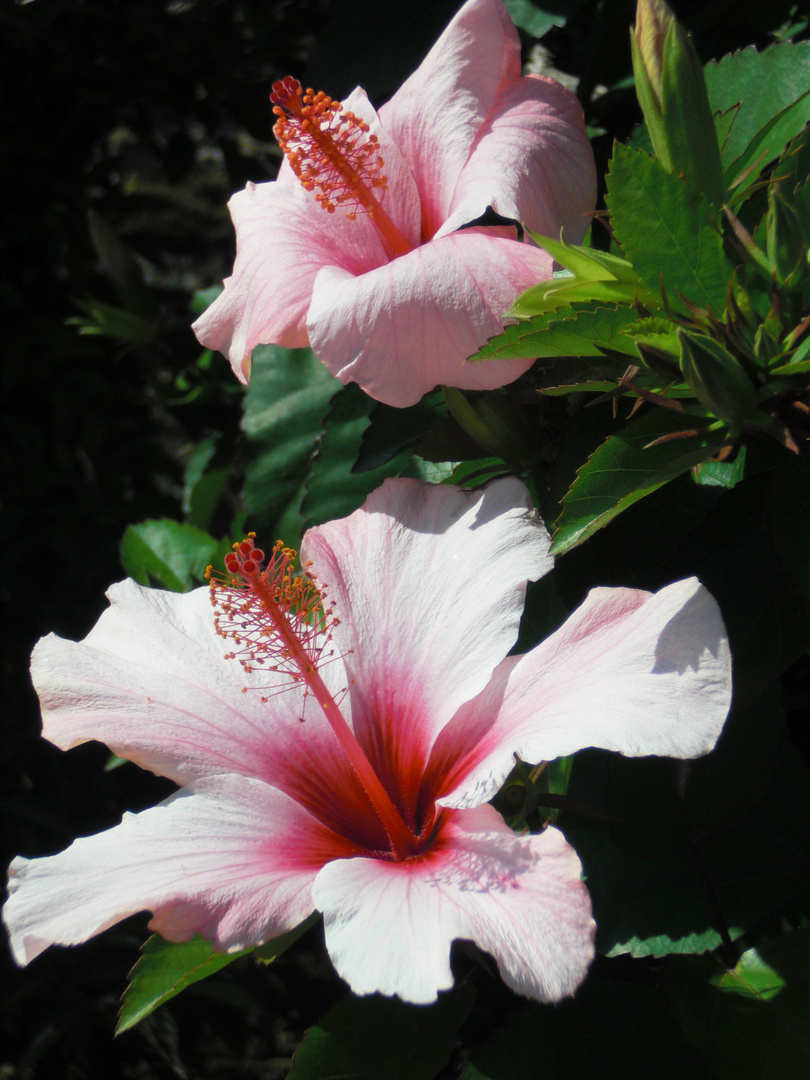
<point>283,239</point>
<point>532,162</point>
<point>436,113</point>
<point>389,926</point>
<point>407,326</point>
<point>150,681</point>
<point>429,582</point>
<point>630,671</point>
<point>228,858</point>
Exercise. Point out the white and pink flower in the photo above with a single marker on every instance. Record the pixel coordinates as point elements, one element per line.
<point>377,818</point>
<point>397,294</point>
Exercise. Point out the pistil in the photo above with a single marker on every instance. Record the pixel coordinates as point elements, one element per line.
<point>333,155</point>
<point>279,616</point>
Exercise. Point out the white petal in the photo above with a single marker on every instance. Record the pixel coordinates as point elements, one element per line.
<point>229,858</point>
<point>150,680</point>
<point>630,671</point>
<point>429,582</point>
<point>389,926</point>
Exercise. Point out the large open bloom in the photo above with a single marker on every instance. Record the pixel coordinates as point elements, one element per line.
<point>358,785</point>
<point>381,279</point>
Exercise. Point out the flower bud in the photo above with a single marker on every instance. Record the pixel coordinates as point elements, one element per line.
<point>716,377</point>
<point>672,93</point>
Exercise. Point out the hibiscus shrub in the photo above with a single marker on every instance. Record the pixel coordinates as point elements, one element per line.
<point>509,770</point>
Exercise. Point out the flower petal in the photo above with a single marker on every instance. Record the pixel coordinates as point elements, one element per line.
<point>407,326</point>
<point>631,671</point>
<point>389,926</point>
<point>228,858</point>
<point>532,162</point>
<point>150,681</point>
<point>284,238</point>
<point>429,582</point>
<point>436,113</point>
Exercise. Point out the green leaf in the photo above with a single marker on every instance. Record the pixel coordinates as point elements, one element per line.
<point>166,968</point>
<point>115,322</point>
<point>658,902</point>
<point>609,1029</point>
<point>285,406</point>
<point>569,374</point>
<point>666,231</point>
<point>378,1038</point>
<point>772,89</point>
<point>333,489</point>
<point>751,978</point>
<point>535,19</point>
<point>593,277</point>
<point>751,1023</point>
<point>724,474</point>
<point>170,553</point>
<point>578,330</point>
<point>390,431</point>
<point>622,471</point>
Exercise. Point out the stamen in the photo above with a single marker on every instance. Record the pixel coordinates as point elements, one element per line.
<point>333,155</point>
<point>280,620</point>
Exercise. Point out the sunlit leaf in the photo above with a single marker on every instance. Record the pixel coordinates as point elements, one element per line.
<point>170,553</point>
<point>667,232</point>
<point>773,89</point>
<point>623,470</point>
<point>166,968</point>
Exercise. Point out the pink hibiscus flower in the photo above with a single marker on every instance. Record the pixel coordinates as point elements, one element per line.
<point>347,769</point>
<point>388,288</point>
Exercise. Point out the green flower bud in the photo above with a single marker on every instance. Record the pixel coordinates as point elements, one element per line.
<point>716,378</point>
<point>672,93</point>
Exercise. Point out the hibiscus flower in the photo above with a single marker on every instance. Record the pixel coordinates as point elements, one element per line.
<point>382,279</point>
<point>344,764</point>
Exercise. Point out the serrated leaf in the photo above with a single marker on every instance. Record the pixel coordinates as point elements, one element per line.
<point>378,1038</point>
<point>169,552</point>
<point>285,406</point>
<point>570,374</point>
<point>771,88</point>
<point>621,471</point>
<point>550,296</point>
<point>165,968</point>
<point>594,277</point>
<point>580,330</point>
<point>666,231</point>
